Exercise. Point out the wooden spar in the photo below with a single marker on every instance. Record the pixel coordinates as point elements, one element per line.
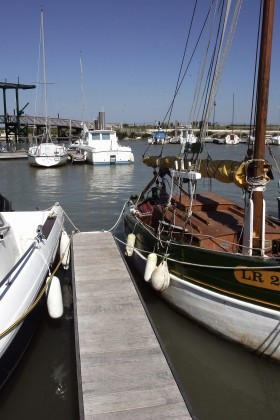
<point>261,117</point>
<point>149,185</point>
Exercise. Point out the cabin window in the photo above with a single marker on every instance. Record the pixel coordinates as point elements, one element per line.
<point>105,136</point>
<point>95,136</point>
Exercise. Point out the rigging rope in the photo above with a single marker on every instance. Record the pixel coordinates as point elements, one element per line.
<point>221,57</point>
<point>254,95</point>
<point>39,297</point>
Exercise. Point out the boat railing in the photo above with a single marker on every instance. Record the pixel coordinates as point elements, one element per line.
<point>18,263</point>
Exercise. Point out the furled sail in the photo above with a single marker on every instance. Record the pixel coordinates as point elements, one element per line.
<point>226,171</point>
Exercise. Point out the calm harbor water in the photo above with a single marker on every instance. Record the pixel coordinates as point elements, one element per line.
<point>220,380</point>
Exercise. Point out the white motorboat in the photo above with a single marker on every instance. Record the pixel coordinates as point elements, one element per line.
<point>102,148</point>
<point>232,139</point>
<point>275,140</point>
<point>29,242</point>
<point>159,137</point>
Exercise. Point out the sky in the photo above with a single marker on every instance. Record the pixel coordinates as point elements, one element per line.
<point>131,52</point>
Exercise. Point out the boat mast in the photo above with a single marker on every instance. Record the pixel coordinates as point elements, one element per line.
<point>232,113</point>
<point>261,117</point>
<point>44,69</point>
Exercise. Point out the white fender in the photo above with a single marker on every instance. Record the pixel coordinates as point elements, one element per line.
<point>130,242</point>
<point>64,246</point>
<point>160,277</point>
<point>54,298</point>
<point>150,266</point>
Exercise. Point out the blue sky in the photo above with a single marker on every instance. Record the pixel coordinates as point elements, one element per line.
<point>131,54</point>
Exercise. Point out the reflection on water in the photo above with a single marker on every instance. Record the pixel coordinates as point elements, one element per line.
<point>59,378</point>
<point>220,380</point>
<point>44,384</point>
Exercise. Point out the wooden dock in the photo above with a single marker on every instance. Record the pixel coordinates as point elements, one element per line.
<point>121,369</point>
<point>19,154</point>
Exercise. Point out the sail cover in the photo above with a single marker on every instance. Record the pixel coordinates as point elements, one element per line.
<point>226,171</point>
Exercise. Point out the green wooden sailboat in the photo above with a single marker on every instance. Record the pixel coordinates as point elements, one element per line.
<point>214,260</point>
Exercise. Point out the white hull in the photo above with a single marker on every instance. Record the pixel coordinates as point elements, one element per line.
<point>102,148</point>
<point>187,137</point>
<point>254,327</point>
<point>159,142</point>
<point>232,139</point>
<point>27,250</point>
<point>109,157</point>
<point>47,155</point>
<point>275,140</point>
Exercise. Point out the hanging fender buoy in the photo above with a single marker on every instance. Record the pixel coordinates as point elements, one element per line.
<point>54,298</point>
<point>130,242</point>
<point>160,277</point>
<point>64,248</point>
<point>150,266</point>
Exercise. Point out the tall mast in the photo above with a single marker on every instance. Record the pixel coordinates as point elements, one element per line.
<point>232,112</point>
<point>82,87</point>
<point>44,67</point>
<point>261,117</point>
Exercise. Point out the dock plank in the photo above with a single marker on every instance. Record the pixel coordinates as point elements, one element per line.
<point>122,371</point>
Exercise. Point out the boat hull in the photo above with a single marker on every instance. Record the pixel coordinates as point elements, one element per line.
<point>252,326</point>
<point>215,289</point>
<point>110,157</point>
<point>47,161</point>
<point>47,155</point>
<point>26,260</point>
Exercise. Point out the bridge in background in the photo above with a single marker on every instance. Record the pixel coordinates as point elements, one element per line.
<point>19,126</point>
<point>22,125</point>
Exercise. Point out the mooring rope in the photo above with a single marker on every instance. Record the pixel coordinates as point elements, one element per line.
<point>117,222</point>
<point>191,264</point>
<point>37,300</point>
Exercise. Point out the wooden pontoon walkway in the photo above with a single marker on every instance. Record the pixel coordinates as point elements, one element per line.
<point>122,371</point>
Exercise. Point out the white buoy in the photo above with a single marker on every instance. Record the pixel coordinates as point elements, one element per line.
<point>54,298</point>
<point>64,248</point>
<point>150,266</point>
<point>130,242</point>
<point>160,277</point>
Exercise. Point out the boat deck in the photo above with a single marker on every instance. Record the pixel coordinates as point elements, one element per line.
<point>122,371</point>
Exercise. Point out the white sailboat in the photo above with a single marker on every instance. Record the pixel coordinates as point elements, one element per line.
<point>232,138</point>
<point>46,153</point>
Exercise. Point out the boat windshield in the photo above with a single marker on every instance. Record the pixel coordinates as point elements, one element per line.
<point>100,136</point>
